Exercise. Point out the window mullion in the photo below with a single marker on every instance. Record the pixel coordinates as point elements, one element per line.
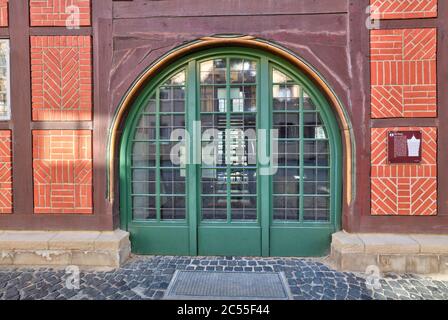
<point>227,145</point>
<point>157,115</point>
<point>193,179</point>
<point>301,155</point>
<point>264,192</point>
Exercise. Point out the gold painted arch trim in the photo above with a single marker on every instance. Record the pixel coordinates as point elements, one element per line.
<point>244,41</point>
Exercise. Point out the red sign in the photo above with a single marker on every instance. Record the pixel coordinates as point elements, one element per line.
<point>404,146</point>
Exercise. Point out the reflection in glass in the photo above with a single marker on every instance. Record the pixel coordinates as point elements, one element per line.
<point>228,182</point>
<point>243,71</point>
<point>5,112</point>
<point>302,181</point>
<point>154,175</point>
<point>213,71</point>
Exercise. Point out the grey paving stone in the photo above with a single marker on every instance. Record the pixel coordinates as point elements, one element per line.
<point>149,277</point>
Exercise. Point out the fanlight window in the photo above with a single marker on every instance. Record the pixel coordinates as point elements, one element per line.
<point>228,103</point>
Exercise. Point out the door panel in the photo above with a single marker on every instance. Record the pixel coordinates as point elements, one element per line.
<point>302,223</point>
<point>160,239</point>
<point>229,240</point>
<point>289,241</point>
<point>227,204</point>
<point>229,220</point>
<point>158,185</point>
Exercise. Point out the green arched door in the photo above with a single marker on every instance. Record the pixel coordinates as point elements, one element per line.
<point>231,152</point>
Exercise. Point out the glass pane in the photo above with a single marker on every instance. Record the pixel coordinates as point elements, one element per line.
<point>313,126</point>
<point>316,209</point>
<point>177,80</point>
<point>286,208</point>
<point>172,207</point>
<point>146,128</point>
<point>5,111</point>
<point>287,124</point>
<point>316,153</point>
<point>143,181</point>
<point>213,99</point>
<point>308,104</point>
<point>243,71</point>
<point>243,182</point>
<point>214,208</point>
<point>288,153</point>
<point>143,154</point>
<point>243,98</point>
<point>144,207</point>
<point>213,121</point>
<point>172,99</point>
<point>169,123</point>
<point>229,138</point>
<point>316,181</point>
<point>244,208</point>
<point>213,153</point>
<point>151,105</point>
<point>213,71</point>
<point>287,181</point>
<point>171,181</point>
<point>214,181</point>
<point>286,97</point>
<point>279,77</point>
<point>168,154</point>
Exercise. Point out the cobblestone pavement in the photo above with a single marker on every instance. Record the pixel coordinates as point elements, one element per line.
<point>148,278</point>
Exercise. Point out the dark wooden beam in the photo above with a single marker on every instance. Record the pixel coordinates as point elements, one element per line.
<point>60,31</point>
<point>82,125</point>
<point>197,8</point>
<point>102,64</point>
<point>442,102</point>
<point>21,109</point>
<point>404,122</point>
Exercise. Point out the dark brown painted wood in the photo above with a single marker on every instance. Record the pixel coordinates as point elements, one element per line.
<point>130,35</point>
<point>358,108</point>
<point>52,222</point>
<point>102,53</point>
<point>198,8</point>
<point>420,224</point>
<point>21,109</point>
<point>442,78</point>
<point>4,32</point>
<point>404,122</point>
<point>60,31</point>
<point>21,124</point>
<point>84,125</point>
<point>408,23</point>
<point>319,39</point>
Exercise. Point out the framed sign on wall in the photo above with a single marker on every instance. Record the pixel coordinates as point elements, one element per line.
<point>404,146</point>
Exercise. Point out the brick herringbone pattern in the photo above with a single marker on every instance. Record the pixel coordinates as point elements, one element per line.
<point>5,172</point>
<point>61,78</point>
<point>57,12</point>
<point>403,189</point>
<point>62,169</point>
<point>403,9</point>
<point>403,73</point>
<point>3,13</point>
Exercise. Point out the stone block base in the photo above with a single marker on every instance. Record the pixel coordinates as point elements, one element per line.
<point>411,253</point>
<point>90,249</point>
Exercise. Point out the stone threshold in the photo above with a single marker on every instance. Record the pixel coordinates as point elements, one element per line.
<point>397,253</point>
<point>86,249</point>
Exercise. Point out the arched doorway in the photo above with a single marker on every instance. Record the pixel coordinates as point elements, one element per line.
<point>218,198</point>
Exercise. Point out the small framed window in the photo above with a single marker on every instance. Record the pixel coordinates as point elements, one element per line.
<point>5,105</point>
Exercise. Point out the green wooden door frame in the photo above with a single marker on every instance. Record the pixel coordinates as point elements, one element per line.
<point>275,238</point>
